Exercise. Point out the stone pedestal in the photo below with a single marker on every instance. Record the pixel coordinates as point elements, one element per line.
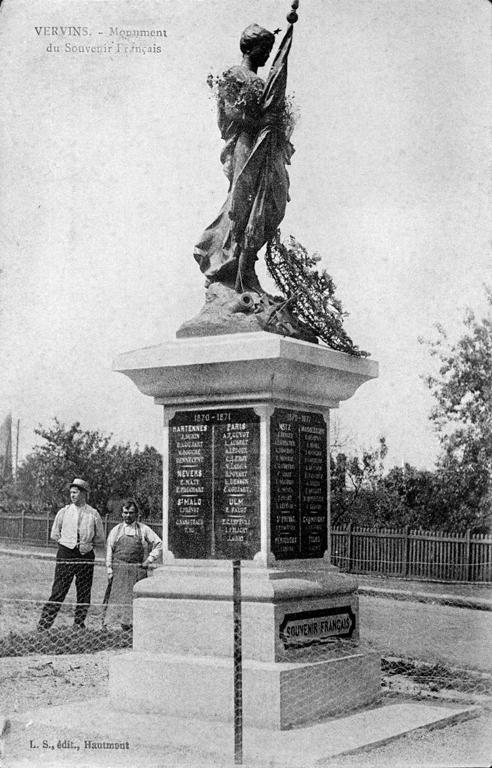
<point>246,477</point>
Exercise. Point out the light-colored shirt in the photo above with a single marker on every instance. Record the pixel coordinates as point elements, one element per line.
<point>82,525</point>
<point>149,537</point>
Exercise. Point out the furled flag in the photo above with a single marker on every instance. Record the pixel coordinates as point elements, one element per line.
<point>6,448</point>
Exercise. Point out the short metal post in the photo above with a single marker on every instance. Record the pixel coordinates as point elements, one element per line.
<point>468,556</point>
<point>350,545</point>
<point>238,668</point>
<point>406,550</point>
<point>48,526</point>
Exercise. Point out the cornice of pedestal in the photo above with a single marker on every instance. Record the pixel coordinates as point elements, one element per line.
<point>212,580</point>
<point>245,367</point>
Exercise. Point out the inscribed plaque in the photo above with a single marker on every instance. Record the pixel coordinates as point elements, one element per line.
<point>299,500</point>
<point>214,484</point>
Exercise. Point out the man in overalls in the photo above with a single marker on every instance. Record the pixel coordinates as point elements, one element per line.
<point>131,548</point>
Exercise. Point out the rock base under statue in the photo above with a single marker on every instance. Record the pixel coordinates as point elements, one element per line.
<point>299,646</point>
<point>225,311</point>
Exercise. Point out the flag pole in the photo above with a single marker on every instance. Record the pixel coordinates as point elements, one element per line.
<point>292,16</point>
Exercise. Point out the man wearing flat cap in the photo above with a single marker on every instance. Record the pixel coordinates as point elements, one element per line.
<point>77,528</point>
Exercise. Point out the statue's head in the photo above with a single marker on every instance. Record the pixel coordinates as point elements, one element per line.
<point>257,43</point>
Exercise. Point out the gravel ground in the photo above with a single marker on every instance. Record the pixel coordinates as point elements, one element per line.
<point>461,745</point>
<point>36,681</point>
<point>29,683</point>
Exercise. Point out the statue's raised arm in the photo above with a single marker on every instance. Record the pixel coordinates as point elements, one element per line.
<point>254,125</point>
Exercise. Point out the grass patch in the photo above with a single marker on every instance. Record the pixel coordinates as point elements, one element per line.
<point>438,676</point>
<point>22,577</point>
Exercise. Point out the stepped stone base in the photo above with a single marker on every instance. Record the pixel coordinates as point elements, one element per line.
<point>275,695</point>
<point>298,663</point>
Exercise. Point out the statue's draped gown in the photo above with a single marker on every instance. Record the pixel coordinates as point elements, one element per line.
<point>254,160</point>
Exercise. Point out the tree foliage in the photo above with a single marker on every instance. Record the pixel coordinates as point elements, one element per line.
<point>456,495</point>
<point>462,418</point>
<point>462,388</point>
<point>112,470</point>
<point>364,493</point>
<point>355,486</point>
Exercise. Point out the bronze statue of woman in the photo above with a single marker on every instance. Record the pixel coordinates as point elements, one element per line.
<point>252,122</point>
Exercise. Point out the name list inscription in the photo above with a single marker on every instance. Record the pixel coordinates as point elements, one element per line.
<point>299,503</point>
<point>214,499</point>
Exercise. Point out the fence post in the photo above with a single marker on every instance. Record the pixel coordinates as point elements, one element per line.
<point>47,526</point>
<point>238,661</point>
<point>23,512</point>
<point>349,547</point>
<point>468,559</point>
<point>406,550</point>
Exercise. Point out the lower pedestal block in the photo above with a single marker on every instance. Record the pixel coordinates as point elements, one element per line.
<point>276,695</point>
<point>299,641</point>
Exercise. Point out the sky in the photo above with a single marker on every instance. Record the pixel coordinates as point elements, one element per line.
<point>110,172</point>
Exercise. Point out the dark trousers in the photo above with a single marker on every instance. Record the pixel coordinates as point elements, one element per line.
<point>70,564</point>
